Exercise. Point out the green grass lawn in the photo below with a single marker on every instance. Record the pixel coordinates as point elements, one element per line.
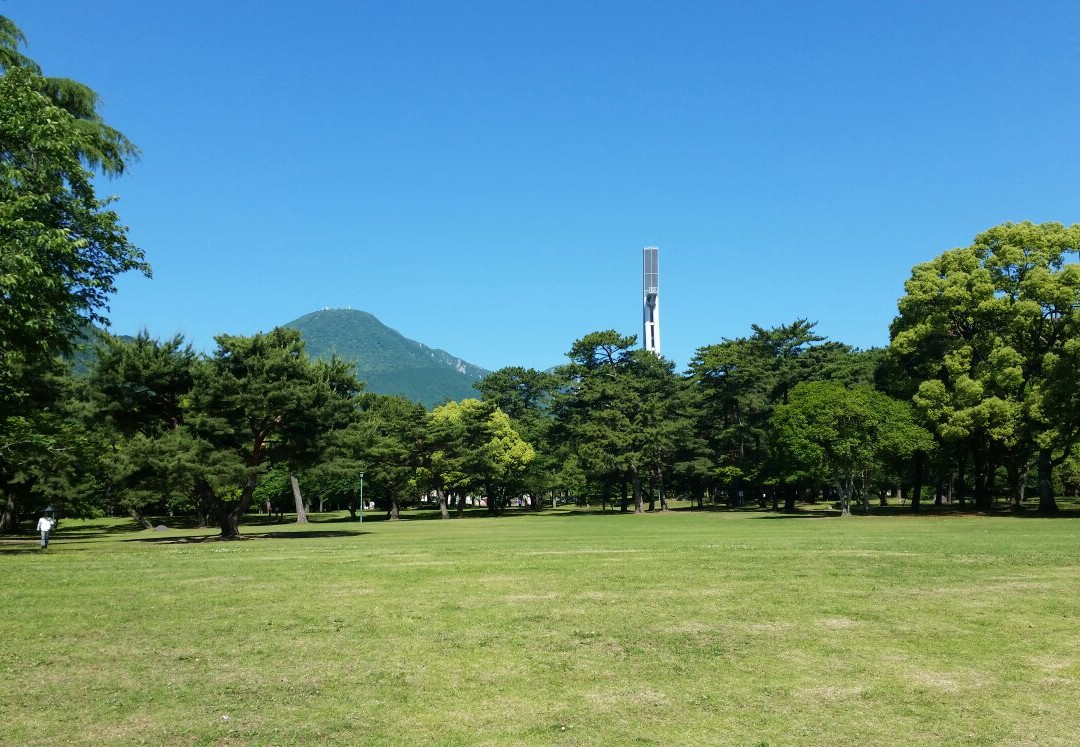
<point>562,628</point>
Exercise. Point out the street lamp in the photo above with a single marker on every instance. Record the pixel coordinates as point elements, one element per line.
<point>361,497</point>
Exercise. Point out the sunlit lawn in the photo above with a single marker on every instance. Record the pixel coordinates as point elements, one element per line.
<point>561,628</point>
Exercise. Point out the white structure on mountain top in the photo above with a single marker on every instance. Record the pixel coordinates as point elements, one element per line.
<point>650,338</point>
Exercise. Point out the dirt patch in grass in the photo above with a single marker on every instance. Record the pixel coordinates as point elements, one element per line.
<point>515,598</point>
<point>830,692</point>
<point>837,623</point>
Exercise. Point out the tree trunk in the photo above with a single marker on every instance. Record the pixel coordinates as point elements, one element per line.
<point>978,466</point>
<point>301,513</point>
<point>229,524</point>
<point>1025,470</point>
<point>916,492</point>
<point>229,520</point>
<point>961,468</point>
<point>460,503</point>
<point>844,492</point>
<point>625,498</point>
<point>9,520</point>
<point>991,480</point>
<point>204,503</point>
<point>443,511</point>
<point>1047,503</point>
<point>1018,474</point>
<point>639,500</point>
<point>789,498</point>
<point>660,490</point>
<point>140,519</point>
<point>395,509</point>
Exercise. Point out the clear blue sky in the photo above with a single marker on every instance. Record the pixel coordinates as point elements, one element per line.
<point>482,176</point>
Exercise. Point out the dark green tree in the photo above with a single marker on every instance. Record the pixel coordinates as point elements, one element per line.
<point>261,399</point>
<point>397,443</point>
<point>595,408</point>
<point>740,382</point>
<point>526,396</point>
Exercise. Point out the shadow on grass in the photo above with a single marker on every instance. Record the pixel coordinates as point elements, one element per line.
<point>30,546</point>
<point>303,534</point>
<point>425,514</point>
<point>86,528</point>
<point>103,527</point>
<point>28,549</point>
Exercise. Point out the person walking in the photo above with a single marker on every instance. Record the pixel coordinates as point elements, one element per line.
<point>45,525</point>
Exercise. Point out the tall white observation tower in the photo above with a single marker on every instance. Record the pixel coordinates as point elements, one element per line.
<point>650,338</point>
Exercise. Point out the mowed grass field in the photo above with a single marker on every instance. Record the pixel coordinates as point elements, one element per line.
<point>562,628</point>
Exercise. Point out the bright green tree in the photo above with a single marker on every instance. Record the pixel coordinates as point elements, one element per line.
<point>983,330</point>
<point>477,450</point>
<point>526,396</point>
<point>60,249</point>
<point>842,436</point>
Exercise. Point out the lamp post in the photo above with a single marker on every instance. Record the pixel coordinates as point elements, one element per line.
<point>361,497</point>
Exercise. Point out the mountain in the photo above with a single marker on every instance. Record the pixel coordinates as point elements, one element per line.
<point>84,349</point>
<point>386,361</point>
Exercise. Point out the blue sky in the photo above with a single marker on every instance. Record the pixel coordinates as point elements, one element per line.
<point>482,176</point>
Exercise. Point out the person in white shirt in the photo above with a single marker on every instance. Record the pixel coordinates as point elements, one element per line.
<point>45,525</point>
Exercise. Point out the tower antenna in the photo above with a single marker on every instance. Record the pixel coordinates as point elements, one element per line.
<point>650,339</point>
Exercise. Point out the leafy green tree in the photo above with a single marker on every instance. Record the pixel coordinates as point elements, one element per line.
<point>99,145</point>
<point>445,469</point>
<point>503,458</point>
<point>60,250</point>
<point>623,412</point>
<point>60,246</point>
<point>136,390</point>
<point>140,385</point>
<point>662,426</point>
<point>394,456</point>
<point>740,382</point>
<point>983,329</point>
<point>48,457</point>
<point>595,407</point>
<point>335,477</point>
<point>262,399</point>
<point>841,436</point>
<point>477,450</point>
<point>526,396</point>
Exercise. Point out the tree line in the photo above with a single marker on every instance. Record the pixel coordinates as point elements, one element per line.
<point>977,395</point>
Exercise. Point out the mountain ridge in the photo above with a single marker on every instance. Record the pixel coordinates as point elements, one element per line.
<point>386,360</point>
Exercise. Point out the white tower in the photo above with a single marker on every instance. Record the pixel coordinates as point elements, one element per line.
<point>650,338</point>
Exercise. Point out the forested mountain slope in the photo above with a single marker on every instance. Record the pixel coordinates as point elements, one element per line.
<point>387,361</point>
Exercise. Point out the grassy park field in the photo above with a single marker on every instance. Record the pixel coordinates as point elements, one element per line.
<point>568,627</point>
